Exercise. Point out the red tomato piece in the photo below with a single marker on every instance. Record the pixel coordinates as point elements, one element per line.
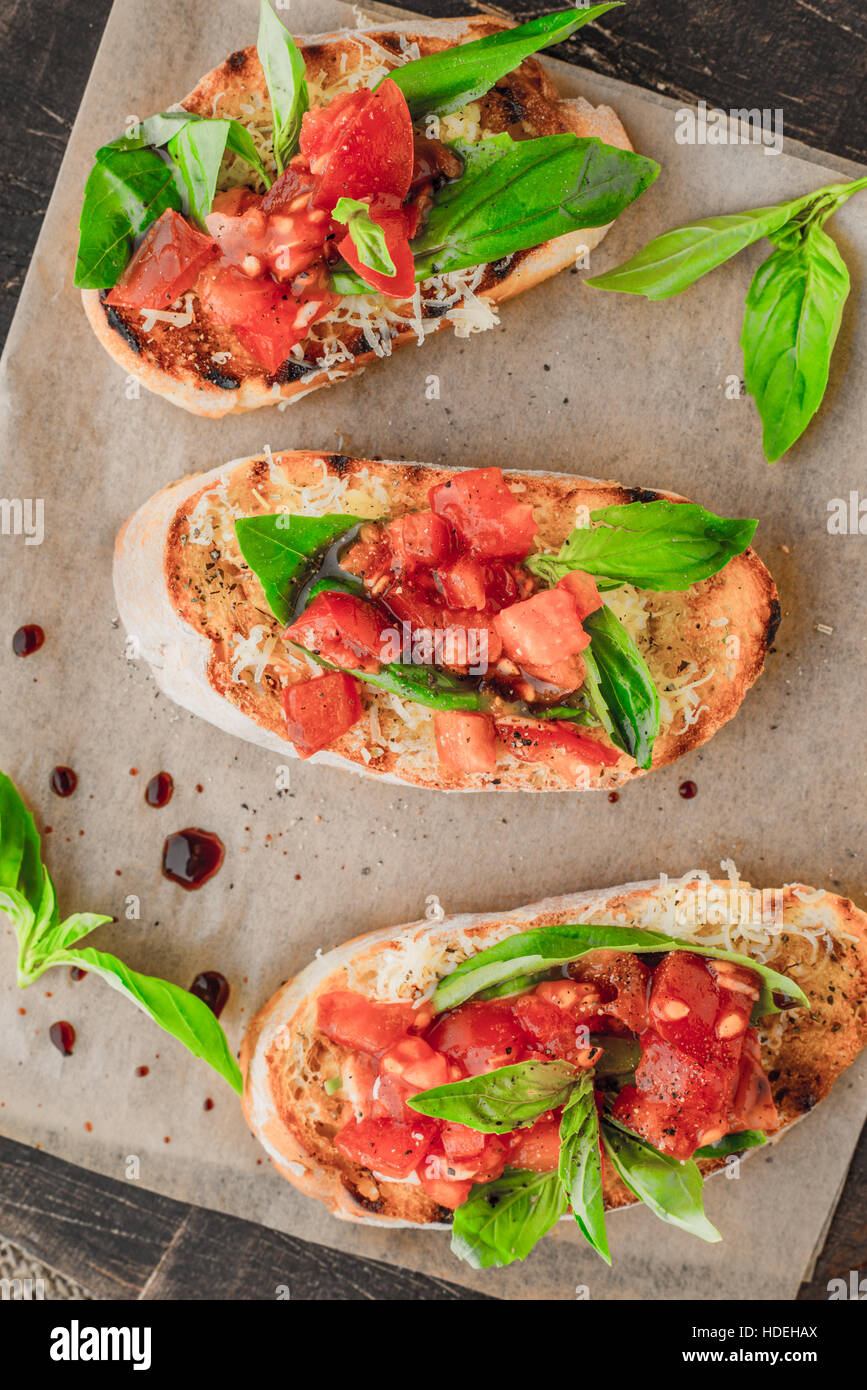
<point>468,637</point>
<point>342,629</point>
<point>318,711</point>
<point>464,582</point>
<point>536,1148</point>
<point>582,588</point>
<point>553,1029</point>
<point>555,742</point>
<point>165,266</point>
<point>385,1146</point>
<point>543,629</point>
<point>416,1063</point>
<point>365,1025</point>
<point>448,1194</point>
<point>621,982</point>
<point>395,222</point>
<point>684,1003</point>
<point>678,1100</point>
<point>561,678</point>
<point>489,518</point>
<point>268,318</point>
<point>419,540</point>
<point>461,1142</point>
<point>466,741</point>
<point>283,234</point>
<point>753,1104</point>
<point>360,145</point>
<point>483,1166</point>
<point>481,1036</point>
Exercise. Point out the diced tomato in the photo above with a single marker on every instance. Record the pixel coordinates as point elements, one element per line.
<point>465,740</point>
<point>165,266</point>
<point>448,1194</point>
<point>461,1142</point>
<point>553,1029</point>
<point>419,540</point>
<point>621,982</point>
<point>396,222</point>
<point>536,1148</point>
<point>385,1146</point>
<point>360,145</point>
<point>555,742</point>
<point>483,1166</point>
<point>464,582</point>
<point>283,235</point>
<point>543,629</point>
<point>753,1104</point>
<point>684,1003</point>
<point>365,1025</point>
<point>582,588</point>
<point>342,629</point>
<point>481,1036</point>
<point>464,629</point>
<point>318,711</point>
<point>416,1063</point>
<point>562,678</point>
<point>494,524</point>
<point>268,318</point>
<point>678,1100</point>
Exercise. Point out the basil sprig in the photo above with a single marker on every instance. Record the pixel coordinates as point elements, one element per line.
<point>534,952</point>
<point>367,236</point>
<point>580,1165</point>
<point>793,307</point>
<point>501,1221</point>
<point>281,549</point>
<point>620,687</point>
<point>285,75</point>
<point>531,191</point>
<point>444,82</point>
<point>44,940</point>
<point>661,546</point>
<point>502,1100</point>
<point>671,1187</point>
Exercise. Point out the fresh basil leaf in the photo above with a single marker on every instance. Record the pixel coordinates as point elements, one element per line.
<point>198,148</point>
<point>580,1165</point>
<point>732,1144</point>
<point>542,948</point>
<point>672,1189</point>
<point>536,190</point>
<point>367,236</point>
<point>620,686</point>
<point>659,545</point>
<point>286,77</point>
<point>444,82</point>
<point>20,851</point>
<point>126,191</point>
<point>791,320</point>
<point>672,262</point>
<point>169,125</point>
<point>519,985</point>
<point>280,548</point>
<point>501,1221</point>
<point>426,685</point>
<point>172,1008</point>
<point>501,1100</point>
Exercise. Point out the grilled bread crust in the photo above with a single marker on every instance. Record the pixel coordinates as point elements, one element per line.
<point>184,591</point>
<point>203,367</point>
<point>286,1060</point>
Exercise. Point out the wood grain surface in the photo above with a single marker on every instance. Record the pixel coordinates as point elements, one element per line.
<point>810,59</point>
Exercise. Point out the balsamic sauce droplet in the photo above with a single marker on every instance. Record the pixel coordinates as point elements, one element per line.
<point>213,989</point>
<point>208,1105</point>
<point>687,790</point>
<point>63,781</point>
<point>614,796</point>
<point>142,1071</point>
<point>63,1036</point>
<point>159,789</point>
<point>76,972</point>
<point>27,640</point>
<point>191,857</point>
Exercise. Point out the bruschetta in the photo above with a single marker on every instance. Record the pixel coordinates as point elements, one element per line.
<point>492,1071</point>
<point>305,210</point>
<point>460,630</point>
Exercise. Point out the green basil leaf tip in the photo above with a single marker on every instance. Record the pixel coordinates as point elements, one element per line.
<point>368,237</point>
<point>502,1100</point>
<point>580,1166</point>
<point>285,76</point>
<point>621,689</point>
<point>671,1188</point>
<point>732,1144</point>
<point>126,190</point>
<point>501,1221</point>
<point>443,82</point>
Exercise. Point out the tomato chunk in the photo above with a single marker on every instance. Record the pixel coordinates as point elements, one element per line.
<point>684,1003</point>
<point>536,1148</point>
<point>420,540</point>
<point>481,1036</point>
<point>466,741</point>
<point>416,1062</point>
<point>753,1104</point>
<point>318,711</point>
<point>464,583</point>
<point>366,1025</point>
<point>165,266</point>
<point>281,235</point>
<point>622,984</point>
<point>360,145</point>
<point>543,629</point>
<point>553,1030</point>
<point>556,743</point>
<point>267,317</point>
<point>342,629</point>
<point>398,224</point>
<point>449,1194</point>
<point>489,518</point>
<point>487,1163</point>
<point>461,1142</point>
<point>582,588</point>
<point>385,1146</point>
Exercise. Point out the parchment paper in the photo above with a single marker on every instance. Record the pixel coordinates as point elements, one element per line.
<point>573,379</point>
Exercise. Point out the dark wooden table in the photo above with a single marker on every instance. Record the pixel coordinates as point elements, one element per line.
<point>809,59</point>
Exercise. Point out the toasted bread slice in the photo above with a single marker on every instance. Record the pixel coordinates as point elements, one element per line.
<point>204,368</point>
<point>817,938</point>
<point>203,623</point>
